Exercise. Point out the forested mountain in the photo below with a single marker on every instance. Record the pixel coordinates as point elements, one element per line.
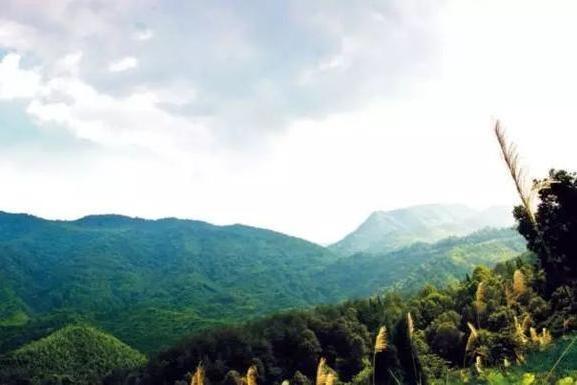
<point>149,282</point>
<point>385,231</point>
<point>513,324</point>
<point>496,315</point>
<point>467,331</point>
<point>74,354</point>
<point>410,268</point>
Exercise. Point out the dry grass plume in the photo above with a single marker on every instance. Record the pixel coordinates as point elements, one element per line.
<point>473,336</point>
<point>321,372</point>
<point>381,340</point>
<point>251,375</point>
<point>325,375</point>
<point>519,285</point>
<point>198,376</point>
<point>410,325</point>
<point>518,174</point>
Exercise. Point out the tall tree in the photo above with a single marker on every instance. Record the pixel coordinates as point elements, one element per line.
<point>553,237</point>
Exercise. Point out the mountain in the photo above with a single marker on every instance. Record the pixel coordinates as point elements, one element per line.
<point>149,281</point>
<point>385,231</point>
<point>412,267</point>
<point>74,354</point>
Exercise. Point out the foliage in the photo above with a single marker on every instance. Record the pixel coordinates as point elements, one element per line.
<point>534,371</point>
<point>151,282</point>
<point>418,349</point>
<point>553,235</point>
<point>75,354</point>
<point>410,268</point>
<point>496,326</point>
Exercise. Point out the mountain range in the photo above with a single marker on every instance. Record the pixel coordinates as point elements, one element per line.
<point>149,282</point>
<point>129,274</point>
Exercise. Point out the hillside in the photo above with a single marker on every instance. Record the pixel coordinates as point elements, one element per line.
<point>288,346</point>
<point>76,354</point>
<point>385,231</point>
<point>493,326</point>
<point>149,282</point>
<point>410,268</point>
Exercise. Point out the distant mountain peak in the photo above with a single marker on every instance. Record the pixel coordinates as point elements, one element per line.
<point>389,230</point>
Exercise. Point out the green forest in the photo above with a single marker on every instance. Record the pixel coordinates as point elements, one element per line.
<point>151,282</point>
<point>295,192</point>
<point>492,307</point>
<point>510,324</point>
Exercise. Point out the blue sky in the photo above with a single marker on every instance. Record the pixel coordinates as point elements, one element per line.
<point>298,116</point>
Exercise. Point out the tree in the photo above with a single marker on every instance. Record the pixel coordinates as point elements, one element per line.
<point>445,337</point>
<point>552,235</point>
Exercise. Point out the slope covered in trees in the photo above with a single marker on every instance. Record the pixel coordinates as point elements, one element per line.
<point>410,268</point>
<point>501,307</point>
<point>476,331</point>
<point>151,282</point>
<point>73,355</point>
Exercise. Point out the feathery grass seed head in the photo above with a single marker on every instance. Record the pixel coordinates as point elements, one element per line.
<point>198,376</point>
<point>410,325</point>
<point>519,286</point>
<point>381,340</point>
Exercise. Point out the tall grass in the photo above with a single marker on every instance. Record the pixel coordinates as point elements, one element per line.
<point>380,346</point>
<point>518,173</point>
<point>321,372</point>
<point>473,336</point>
<point>198,376</point>
<point>479,303</point>
<point>519,285</point>
<point>251,375</point>
<point>410,326</point>
<point>325,375</point>
<point>410,333</point>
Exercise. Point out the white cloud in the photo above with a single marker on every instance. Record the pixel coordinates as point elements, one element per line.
<point>15,82</point>
<point>123,64</point>
<point>394,107</point>
<point>69,65</point>
<point>144,34</point>
<point>17,36</point>
<point>133,120</point>
<point>136,119</point>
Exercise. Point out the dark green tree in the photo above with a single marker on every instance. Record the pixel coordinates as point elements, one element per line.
<point>552,236</point>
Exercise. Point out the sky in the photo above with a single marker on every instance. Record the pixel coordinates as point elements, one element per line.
<point>298,116</point>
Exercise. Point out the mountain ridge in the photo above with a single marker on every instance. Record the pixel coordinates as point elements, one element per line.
<point>191,272</point>
<point>385,231</point>
<point>447,260</point>
<point>151,281</point>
